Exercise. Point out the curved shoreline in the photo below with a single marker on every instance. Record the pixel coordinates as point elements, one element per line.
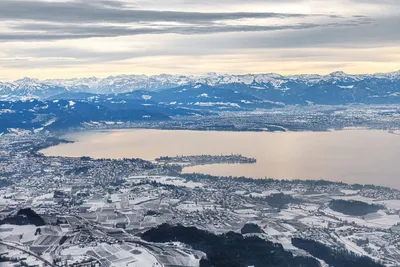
<point>150,144</point>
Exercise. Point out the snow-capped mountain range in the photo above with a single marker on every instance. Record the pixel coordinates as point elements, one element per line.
<point>127,83</point>
<point>35,105</point>
<point>335,88</point>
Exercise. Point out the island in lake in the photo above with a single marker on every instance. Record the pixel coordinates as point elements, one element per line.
<point>206,160</point>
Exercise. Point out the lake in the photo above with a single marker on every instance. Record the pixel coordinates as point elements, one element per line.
<point>351,156</point>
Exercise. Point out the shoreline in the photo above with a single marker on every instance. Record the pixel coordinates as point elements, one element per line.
<point>75,139</point>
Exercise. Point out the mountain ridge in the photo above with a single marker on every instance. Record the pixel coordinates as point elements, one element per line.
<point>173,80</point>
<point>210,89</point>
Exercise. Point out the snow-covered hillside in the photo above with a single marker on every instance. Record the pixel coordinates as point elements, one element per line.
<point>343,88</point>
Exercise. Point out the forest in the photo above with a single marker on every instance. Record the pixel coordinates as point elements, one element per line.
<point>334,257</point>
<point>24,217</point>
<point>354,207</point>
<point>229,249</point>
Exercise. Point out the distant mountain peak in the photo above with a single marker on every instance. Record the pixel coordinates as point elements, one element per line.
<point>27,80</point>
<point>338,74</point>
<point>31,87</point>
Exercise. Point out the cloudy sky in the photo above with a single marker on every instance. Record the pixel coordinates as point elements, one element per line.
<point>81,38</point>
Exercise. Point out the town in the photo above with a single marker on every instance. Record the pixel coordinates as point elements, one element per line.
<point>93,211</point>
<point>206,159</point>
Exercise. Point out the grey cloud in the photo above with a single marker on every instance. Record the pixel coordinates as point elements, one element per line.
<point>46,21</point>
<point>380,2</point>
<point>376,34</point>
<point>67,56</point>
<point>379,33</point>
<point>30,20</point>
<point>228,2</point>
<point>60,32</point>
<point>112,11</point>
<point>45,31</point>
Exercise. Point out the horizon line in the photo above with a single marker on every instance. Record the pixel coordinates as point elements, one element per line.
<point>197,75</point>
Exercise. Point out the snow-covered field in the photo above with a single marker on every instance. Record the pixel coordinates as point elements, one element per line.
<point>166,180</point>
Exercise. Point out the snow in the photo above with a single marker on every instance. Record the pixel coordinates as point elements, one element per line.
<point>286,243</point>
<point>94,205</point>
<point>289,227</point>
<point>141,257</point>
<point>210,104</point>
<point>352,246</point>
<point>3,111</point>
<point>246,211</point>
<point>346,86</point>
<point>356,197</point>
<point>349,192</point>
<point>168,180</point>
<point>271,231</point>
<point>191,206</point>
<point>264,193</point>
<point>379,219</point>
<point>128,83</point>
<point>49,122</point>
<point>19,132</point>
<point>146,97</point>
<point>48,196</point>
<point>71,103</point>
<point>75,251</point>
<point>274,102</point>
<point>315,222</point>
<point>18,233</point>
<point>145,258</point>
<point>390,204</point>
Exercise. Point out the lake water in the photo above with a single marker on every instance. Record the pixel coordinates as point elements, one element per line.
<point>351,156</point>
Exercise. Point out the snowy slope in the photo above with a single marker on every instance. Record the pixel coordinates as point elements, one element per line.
<point>337,87</point>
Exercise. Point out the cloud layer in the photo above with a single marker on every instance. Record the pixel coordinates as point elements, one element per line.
<point>87,37</point>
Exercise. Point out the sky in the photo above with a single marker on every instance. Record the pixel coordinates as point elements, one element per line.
<point>83,38</point>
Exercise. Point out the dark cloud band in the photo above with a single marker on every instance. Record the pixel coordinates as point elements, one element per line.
<point>30,20</point>
<point>112,11</point>
<point>61,32</point>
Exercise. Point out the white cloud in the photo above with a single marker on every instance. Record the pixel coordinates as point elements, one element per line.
<point>51,39</point>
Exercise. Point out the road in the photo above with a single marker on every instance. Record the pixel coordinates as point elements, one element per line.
<point>46,262</point>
